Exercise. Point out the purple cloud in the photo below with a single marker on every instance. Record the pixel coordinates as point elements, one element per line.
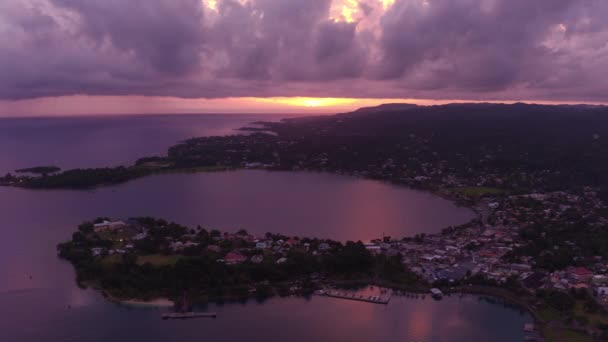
<point>455,49</point>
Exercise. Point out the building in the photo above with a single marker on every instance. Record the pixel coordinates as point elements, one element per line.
<point>234,258</point>
<point>214,248</point>
<point>108,225</point>
<point>96,251</point>
<point>261,245</point>
<point>257,259</point>
<point>324,246</point>
<point>580,274</point>
<point>599,279</point>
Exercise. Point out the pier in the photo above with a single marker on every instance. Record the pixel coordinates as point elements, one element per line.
<point>343,294</point>
<point>188,315</point>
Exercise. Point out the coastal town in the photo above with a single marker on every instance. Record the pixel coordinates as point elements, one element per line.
<point>491,251</point>
<point>487,246</point>
<point>540,237</point>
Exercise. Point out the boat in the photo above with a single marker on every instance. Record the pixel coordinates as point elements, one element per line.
<point>188,315</point>
<point>436,293</point>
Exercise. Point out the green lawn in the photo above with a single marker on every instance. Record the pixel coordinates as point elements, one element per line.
<point>158,259</point>
<point>477,191</point>
<point>594,319</point>
<point>111,260</point>
<point>565,335</point>
<point>549,314</point>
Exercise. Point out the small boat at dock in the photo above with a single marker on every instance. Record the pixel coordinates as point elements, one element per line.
<point>188,315</point>
<point>436,293</point>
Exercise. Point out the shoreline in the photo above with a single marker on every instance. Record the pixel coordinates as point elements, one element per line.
<point>505,295</point>
<point>153,303</point>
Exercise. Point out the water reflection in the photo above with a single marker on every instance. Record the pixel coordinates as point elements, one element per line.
<point>39,300</point>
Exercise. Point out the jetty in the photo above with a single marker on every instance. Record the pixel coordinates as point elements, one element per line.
<point>188,315</point>
<point>375,299</point>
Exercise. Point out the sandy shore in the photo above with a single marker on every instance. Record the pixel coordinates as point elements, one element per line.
<point>158,302</point>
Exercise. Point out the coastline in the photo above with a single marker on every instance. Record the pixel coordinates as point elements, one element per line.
<point>159,302</point>
<point>153,303</point>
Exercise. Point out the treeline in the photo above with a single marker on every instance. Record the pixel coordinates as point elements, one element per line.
<point>86,178</point>
<point>39,169</point>
<point>201,272</point>
<point>517,147</point>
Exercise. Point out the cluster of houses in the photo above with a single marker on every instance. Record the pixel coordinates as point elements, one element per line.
<point>480,247</point>
<point>260,248</point>
<point>477,248</point>
<point>230,248</point>
<point>452,257</point>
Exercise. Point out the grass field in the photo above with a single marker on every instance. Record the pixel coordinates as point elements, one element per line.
<point>594,319</point>
<point>112,259</point>
<point>565,335</point>
<point>158,259</point>
<point>549,314</point>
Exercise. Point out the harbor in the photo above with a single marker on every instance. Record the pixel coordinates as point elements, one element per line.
<point>368,294</point>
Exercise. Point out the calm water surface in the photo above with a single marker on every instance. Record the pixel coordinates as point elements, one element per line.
<point>36,287</point>
<point>71,142</point>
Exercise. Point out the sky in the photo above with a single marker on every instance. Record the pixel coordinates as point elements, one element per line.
<point>62,57</point>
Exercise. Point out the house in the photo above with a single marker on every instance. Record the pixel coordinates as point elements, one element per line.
<point>108,225</point>
<point>257,259</point>
<point>261,245</point>
<point>521,267</point>
<point>96,251</point>
<point>234,258</point>
<point>178,245</point>
<point>323,246</point>
<point>599,279</point>
<point>602,291</point>
<point>140,236</point>
<point>214,248</point>
<point>580,274</point>
<point>372,247</point>
<point>580,286</point>
<point>534,280</point>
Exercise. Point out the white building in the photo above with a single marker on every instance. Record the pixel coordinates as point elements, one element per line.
<point>108,225</point>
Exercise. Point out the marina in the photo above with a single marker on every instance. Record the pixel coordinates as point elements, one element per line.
<point>367,295</point>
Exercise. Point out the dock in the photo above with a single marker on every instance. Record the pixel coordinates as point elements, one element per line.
<point>379,299</point>
<point>188,315</point>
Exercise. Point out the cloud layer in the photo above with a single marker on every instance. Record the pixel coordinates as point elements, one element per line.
<point>466,49</point>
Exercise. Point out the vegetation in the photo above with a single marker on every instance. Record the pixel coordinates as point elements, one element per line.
<point>86,178</point>
<point>566,335</point>
<point>477,191</point>
<point>475,149</point>
<point>39,169</point>
<point>152,266</point>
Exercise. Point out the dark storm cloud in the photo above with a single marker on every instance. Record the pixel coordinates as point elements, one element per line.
<point>469,49</point>
<point>167,35</point>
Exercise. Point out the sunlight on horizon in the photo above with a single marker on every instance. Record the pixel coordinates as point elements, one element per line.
<point>116,105</point>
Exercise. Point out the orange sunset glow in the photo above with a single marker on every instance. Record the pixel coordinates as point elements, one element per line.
<point>103,105</point>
